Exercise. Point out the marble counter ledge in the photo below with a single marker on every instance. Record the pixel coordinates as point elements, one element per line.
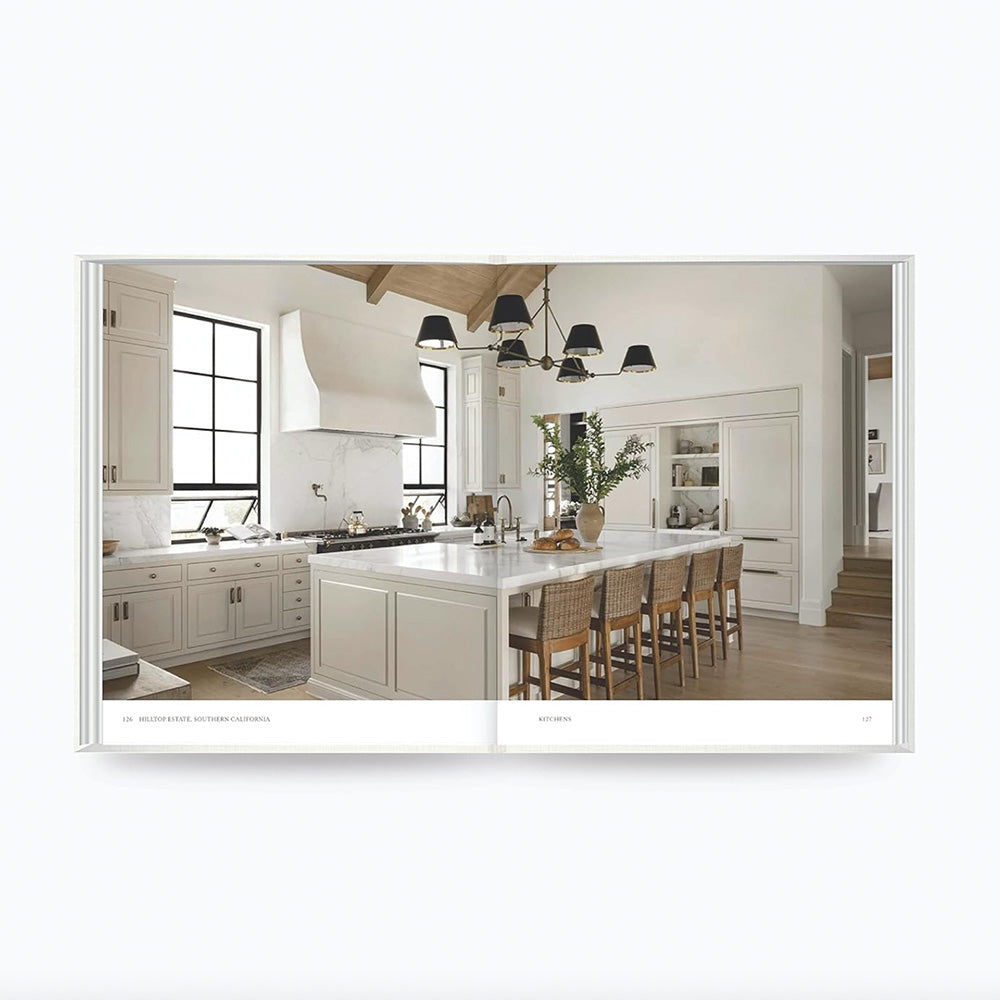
<point>199,551</point>
<point>509,567</point>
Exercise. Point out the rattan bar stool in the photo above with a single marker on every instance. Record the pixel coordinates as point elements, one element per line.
<point>560,622</point>
<point>702,574</point>
<point>618,606</point>
<point>664,597</point>
<point>730,570</point>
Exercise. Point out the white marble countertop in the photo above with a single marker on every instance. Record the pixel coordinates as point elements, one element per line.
<point>198,551</point>
<point>509,567</point>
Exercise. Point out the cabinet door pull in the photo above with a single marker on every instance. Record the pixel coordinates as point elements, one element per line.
<point>725,514</point>
<point>112,317</point>
<point>125,610</point>
<point>104,316</point>
<point>654,512</point>
<point>114,612</point>
<point>239,595</point>
<point>211,569</point>
<point>114,473</point>
<point>232,595</point>
<point>104,474</point>
<point>298,600</point>
<point>768,572</point>
<point>759,538</point>
<point>152,576</point>
<point>298,581</point>
<point>257,565</point>
<point>298,618</point>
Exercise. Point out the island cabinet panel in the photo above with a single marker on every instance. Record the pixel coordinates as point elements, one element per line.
<point>442,646</point>
<point>353,622</point>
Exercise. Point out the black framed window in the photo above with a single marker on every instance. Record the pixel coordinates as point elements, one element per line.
<point>216,425</point>
<point>425,460</point>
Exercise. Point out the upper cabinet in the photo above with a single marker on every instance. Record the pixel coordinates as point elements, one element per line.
<point>137,314</point>
<point>137,432</point>
<point>491,426</point>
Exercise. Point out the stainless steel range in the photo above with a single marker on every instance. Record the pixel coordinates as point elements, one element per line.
<point>341,540</point>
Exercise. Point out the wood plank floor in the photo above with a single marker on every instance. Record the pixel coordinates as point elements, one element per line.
<point>781,660</point>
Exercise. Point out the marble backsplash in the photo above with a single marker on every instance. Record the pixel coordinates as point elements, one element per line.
<point>138,522</point>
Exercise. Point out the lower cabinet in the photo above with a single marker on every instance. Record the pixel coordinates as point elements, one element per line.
<point>146,621</point>
<point>770,589</point>
<point>232,609</point>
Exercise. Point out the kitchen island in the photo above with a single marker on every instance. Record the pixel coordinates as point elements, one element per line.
<point>430,621</point>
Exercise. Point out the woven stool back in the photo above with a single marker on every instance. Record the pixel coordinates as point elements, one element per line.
<point>666,581</point>
<point>731,564</point>
<point>565,608</point>
<point>704,567</point>
<point>622,592</point>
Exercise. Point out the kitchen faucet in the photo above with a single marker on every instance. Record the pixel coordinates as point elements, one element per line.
<point>510,520</point>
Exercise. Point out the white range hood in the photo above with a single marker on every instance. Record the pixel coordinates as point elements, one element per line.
<point>350,379</point>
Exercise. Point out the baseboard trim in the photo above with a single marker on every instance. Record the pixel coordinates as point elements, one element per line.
<point>812,613</point>
<point>326,691</point>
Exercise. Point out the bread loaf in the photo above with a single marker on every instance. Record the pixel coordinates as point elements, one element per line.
<point>548,544</point>
<point>569,543</point>
<point>561,534</point>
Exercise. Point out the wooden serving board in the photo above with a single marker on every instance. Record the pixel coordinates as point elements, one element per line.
<point>565,552</point>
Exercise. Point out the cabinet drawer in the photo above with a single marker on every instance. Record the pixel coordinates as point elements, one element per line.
<point>232,567</point>
<point>771,589</point>
<point>295,599</point>
<point>295,581</point>
<point>295,619</point>
<point>146,576</point>
<point>773,552</point>
<point>298,560</point>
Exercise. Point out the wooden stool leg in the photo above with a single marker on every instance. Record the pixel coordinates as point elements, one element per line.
<point>675,619</point>
<point>739,615</point>
<point>723,601</point>
<point>693,637</point>
<point>637,632</point>
<point>655,625</point>
<point>606,647</point>
<point>545,661</point>
<point>584,652</point>
<point>526,674</point>
<point>711,626</point>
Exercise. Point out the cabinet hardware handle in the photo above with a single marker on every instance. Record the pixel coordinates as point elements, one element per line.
<point>152,576</point>
<point>104,316</point>
<point>298,618</point>
<point>759,538</point>
<point>115,612</point>
<point>125,610</point>
<point>114,473</point>
<point>257,565</point>
<point>298,581</point>
<point>112,317</point>
<point>298,560</point>
<point>725,514</point>
<point>211,569</point>
<point>654,512</point>
<point>768,572</point>
<point>239,595</point>
<point>298,600</point>
<point>104,474</point>
<point>232,595</point>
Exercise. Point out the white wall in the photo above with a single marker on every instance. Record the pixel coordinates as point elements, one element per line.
<point>713,328</point>
<point>880,418</point>
<point>872,332</point>
<point>357,472</point>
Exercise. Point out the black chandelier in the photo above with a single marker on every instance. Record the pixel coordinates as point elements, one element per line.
<point>511,316</point>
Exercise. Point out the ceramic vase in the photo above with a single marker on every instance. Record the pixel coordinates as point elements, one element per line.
<point>411,522</point>
<point>590,522</point>
<point>213,539</point>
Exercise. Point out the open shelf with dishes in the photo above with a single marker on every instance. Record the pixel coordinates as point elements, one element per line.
<point>689,469</point>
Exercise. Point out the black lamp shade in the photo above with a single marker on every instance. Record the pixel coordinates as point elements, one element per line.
<point>436,334</point>
<point>572,370</point>
<point>583,341</point>
<point>510,315</point>
<point>639,358</point>
<point>512,354</point>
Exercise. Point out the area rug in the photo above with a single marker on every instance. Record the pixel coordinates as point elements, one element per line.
<point>268,672</point>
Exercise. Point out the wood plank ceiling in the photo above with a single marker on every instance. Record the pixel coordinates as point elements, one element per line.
<point>470,289</point>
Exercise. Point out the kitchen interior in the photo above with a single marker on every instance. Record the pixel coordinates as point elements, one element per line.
<point>335,480</point>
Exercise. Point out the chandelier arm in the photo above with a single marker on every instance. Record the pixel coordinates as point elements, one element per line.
<point>558,327</point>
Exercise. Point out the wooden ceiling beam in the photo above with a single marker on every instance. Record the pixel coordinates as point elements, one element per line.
<point>507,276</point>
<point>378,284</point>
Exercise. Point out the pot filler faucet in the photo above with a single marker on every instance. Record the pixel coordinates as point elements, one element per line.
<point>512,522</point>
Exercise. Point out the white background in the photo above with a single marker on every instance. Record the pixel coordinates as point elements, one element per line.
<point>584,128</point>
